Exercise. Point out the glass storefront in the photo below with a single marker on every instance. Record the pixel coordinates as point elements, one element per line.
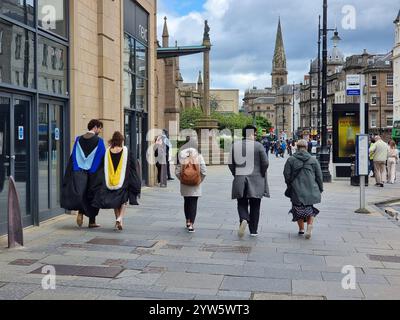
<point>33,105</point>
<point>135,76</point>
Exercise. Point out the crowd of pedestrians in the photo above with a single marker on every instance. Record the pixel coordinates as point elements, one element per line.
<point>383,160</point>
<point>107,178</point>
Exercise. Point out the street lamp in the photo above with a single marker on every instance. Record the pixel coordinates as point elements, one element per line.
<point>325,153</point>
<point>294,106</point>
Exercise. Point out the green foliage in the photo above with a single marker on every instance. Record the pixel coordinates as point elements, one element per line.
<point>189,118</point>
<point>229,121</point>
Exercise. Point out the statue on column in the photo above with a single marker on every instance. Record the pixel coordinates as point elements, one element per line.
<point>206,31</point>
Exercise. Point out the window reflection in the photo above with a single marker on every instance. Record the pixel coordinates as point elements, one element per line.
<point>52,70</point>
<point>135,74</point>
<point>17,58</point>
<point>20,10</point>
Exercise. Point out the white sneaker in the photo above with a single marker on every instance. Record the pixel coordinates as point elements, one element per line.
<point>242,228</point>
<point>254,235</point>
<point>309,232</point>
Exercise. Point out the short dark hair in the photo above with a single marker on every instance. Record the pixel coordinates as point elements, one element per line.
<point>249,130</point>
<point>95,123</point>
<point>117,140</point>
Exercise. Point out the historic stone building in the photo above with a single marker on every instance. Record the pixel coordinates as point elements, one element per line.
<point>275,102</point>
<point>396,70</point>
<point>310,115</point>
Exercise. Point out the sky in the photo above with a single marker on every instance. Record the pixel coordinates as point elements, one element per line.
<point>243,34</point>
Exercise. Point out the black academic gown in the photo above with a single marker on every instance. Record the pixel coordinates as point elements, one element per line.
<point>129,192</point>
<point>79,189</point>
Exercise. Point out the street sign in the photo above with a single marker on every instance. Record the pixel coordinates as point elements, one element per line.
<point>362,161</point>
<point>353,85</point>
<point>20,133</point>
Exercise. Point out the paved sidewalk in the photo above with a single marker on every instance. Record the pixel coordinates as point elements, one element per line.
<point>155,258</point>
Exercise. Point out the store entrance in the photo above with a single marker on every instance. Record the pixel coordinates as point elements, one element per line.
<point>15,154</point>
<point>135,139</point>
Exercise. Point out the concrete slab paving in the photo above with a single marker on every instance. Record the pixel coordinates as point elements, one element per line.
<point>160,260</point>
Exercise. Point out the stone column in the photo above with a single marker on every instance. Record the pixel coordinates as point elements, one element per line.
<point>206,127</point>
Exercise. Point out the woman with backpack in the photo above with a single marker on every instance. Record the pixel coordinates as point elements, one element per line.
<point>304,180</point>
<point>191,171</point>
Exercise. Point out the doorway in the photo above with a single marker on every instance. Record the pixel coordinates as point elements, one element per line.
<point>136,140</point>
<point>15,133</point>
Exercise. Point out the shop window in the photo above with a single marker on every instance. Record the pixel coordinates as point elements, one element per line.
<point>374,99</point>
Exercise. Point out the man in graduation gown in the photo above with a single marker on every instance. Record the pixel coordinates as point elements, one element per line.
<point>85,174</point>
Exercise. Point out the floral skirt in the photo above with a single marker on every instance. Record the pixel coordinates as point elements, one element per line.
<point>303,212</point>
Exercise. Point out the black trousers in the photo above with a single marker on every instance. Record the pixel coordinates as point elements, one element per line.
<point>191,208</point>
<point>252,217</point>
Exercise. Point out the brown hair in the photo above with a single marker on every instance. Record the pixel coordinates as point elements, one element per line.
<point>95,123</point>
<point>392,144</point>
<point>117,140</point>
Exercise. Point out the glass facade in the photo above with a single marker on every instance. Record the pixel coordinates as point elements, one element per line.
<point>135,75</point>
<point>33,104</point>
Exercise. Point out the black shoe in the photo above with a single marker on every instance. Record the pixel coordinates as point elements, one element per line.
<point>171,179</point>
<point>191,229</point>
<point>382,185</point>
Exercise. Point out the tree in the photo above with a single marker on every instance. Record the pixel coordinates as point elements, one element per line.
<point>189,118</point>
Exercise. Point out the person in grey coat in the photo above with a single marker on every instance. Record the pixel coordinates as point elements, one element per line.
<point>249,164</point>
<point>191,194</point>
<point>304,180</point>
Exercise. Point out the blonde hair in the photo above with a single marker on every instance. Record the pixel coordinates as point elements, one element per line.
<point>302,144</point>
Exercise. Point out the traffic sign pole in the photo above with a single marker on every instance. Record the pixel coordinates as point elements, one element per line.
<point>361,152</point>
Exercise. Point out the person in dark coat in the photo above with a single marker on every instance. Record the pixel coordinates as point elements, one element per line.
<point>121,182</point>
<point>84,175</point>
<point>249,185</point>
<point>304,180</point>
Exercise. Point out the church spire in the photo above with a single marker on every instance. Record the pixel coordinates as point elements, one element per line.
<point>165,34</point>
<point>279,72</point>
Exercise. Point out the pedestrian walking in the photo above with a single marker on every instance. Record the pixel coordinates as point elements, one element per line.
<point>380,152</point>
<point>84,175</point>
<point>168,147</point>
<point>160,154</point>
<point>304,180</point>
<point>191,171</point>
<point>393,159</point>
<point>122,184</point>
<point>371,157</point>
<point>250,182</point>
<point>283,148</point>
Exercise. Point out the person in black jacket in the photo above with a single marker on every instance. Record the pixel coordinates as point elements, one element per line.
<point>122,183</point>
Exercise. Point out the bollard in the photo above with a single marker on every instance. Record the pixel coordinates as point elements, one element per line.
<point>15,229</point>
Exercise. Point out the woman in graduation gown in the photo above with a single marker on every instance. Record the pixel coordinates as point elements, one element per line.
<point>122,183</point>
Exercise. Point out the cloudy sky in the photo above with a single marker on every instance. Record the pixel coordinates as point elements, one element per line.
<point>243,34</point>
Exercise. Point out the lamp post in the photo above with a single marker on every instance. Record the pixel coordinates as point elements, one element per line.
<point>294,106</point>
<point>311,111</point>
<point>325,153</point>
<point>319,77</point>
